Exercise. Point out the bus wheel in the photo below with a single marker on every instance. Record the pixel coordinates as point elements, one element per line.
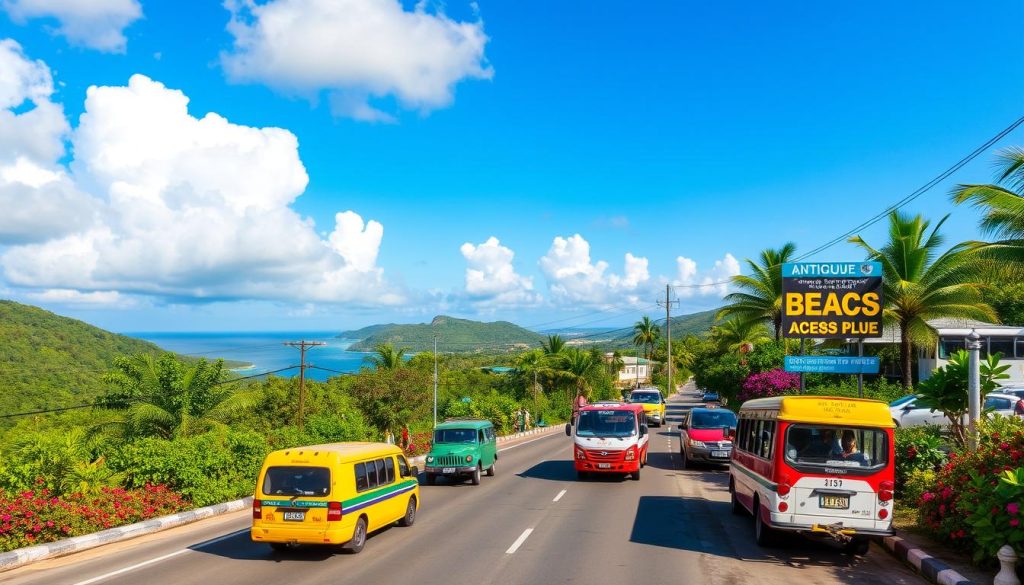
<point>582,475</point>
<point>636,475</point>
<point>763,534</point>
<point>476,475</point>
<point>410,513</point>
<point>737,507</point>
<point>857,547</point>
<point>358,537</point>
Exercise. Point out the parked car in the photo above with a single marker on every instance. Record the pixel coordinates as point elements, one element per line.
<point>911,413</point>
<point>710,396</point>
<point>1017,391</point>
<point>704,436</point>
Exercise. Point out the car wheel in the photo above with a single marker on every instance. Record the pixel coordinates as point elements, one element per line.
<point>431,479</point>
<point>857,547</point>
<point>686,460</point>
<point>410,513</point>
<point>476,475</point>
<point>636,475</point>
<point>490,470</point>
<point>763,534</point>
<point>358,537</point>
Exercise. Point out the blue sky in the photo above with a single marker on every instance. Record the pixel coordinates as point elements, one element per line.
<point>682,129</point>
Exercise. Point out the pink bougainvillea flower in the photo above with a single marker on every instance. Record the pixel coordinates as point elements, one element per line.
<point>1013,508</point>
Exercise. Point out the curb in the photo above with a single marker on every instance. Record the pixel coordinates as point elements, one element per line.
<point>929,567</point>
<point>23,556</point>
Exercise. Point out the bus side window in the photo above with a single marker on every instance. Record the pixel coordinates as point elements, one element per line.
<point>389,469</point>
<point>741,434</point>
<point>361,483</point>
<point>767,438</point>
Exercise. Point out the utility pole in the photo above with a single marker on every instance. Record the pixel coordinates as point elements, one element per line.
<point>973,387</point>
<point>303,346</point>
<point>668,302</point>
<point>435,380</point>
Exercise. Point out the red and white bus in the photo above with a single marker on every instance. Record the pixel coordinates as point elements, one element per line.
<point>817,465</point>
<point>609,438</point>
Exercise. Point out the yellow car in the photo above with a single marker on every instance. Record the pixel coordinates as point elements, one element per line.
<point>333,495</point>
<point>653,403</point>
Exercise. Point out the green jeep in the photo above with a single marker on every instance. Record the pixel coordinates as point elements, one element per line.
<point>462,448</point>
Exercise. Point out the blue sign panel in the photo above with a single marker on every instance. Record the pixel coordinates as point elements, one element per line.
<point>831,269</point>
<point>830,364</point>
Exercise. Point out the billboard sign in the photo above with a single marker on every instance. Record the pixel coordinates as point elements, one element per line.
<point>832,299</point>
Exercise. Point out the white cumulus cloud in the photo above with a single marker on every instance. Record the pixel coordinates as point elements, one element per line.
<point>491,280</point>
<point>96,24</point>
<point>714,281</point>
<point>191,208</point>
<point>573,278</point>
<point>357,50</point>
<point>38,199</point>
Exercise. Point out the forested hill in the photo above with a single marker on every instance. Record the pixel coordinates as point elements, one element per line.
<point>693,324</point>
<point>49,361</point>
<point>454,335</point>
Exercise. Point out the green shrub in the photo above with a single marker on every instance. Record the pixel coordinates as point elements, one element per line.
<point>915,484</point>
<point>917,449</point>
<point>206,469</point>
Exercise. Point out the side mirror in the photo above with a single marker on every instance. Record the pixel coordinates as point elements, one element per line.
<point>908,408</point>
<point>414,471</point>
<point>643,430</point>
<point>568,429</point>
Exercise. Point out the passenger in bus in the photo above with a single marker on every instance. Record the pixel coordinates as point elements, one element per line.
<point>826,446</point>
<point>850,452</point>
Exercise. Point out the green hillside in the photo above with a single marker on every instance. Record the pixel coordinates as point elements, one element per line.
<point>622,338</point>
<point>693,324</point>
<point>454,335</point>
<point>51,361</point>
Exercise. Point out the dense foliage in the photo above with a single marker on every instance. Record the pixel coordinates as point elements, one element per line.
<point>946,389</point>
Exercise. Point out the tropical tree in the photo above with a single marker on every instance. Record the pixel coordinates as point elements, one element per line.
<point>732,334</point>
<point>166,397</point>
<point>946,389</point>
<point>579,367</point>
<point>646,334</point>
<point>616,364</point>
<point>553,346</point>
<point>1002,205</point>
<point>386,357</point>
<point>759,294</point>
<point>534,367</point>
<point>920,283</point>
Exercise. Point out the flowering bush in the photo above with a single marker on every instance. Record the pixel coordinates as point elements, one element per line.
<point>917,449</point>
<point>974,501</point>
<point>770,383</point>
<point>37,516</point>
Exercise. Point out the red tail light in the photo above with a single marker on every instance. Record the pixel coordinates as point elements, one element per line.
<point>885,491</point>
<point>783,506</point>
<point>883,513</point>
<point>257,510</point>
<point>1018,408</point>
<point>333,511</point>
<point>783,487</point>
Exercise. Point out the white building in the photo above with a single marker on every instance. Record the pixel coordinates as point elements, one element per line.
<point>634,370</point>
<point>950,336</point>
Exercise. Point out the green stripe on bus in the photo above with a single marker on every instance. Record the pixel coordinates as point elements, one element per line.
<point>378,493</point>
<point>754,476</point>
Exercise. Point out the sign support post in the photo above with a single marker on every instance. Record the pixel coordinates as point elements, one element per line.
<point>802,352</point>
<point>860,376</point>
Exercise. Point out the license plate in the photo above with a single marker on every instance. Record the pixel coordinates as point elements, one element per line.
<point>723,454</point>
<point>604,465</point>
<point>447,470</point>
<point>834,502</point>
<point>294,516</point>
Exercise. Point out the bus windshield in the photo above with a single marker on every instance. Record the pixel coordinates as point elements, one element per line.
<point>606,423</point>
<point>455,436</point>
<point>646,397</point>
<point>820,446</point>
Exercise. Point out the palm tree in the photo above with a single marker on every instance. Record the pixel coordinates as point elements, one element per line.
<point>167,397</point>
<point>578,367</point>
<point>553,346</point>
<point>1002,204</point>
<point>920,284</point>
<point>733,334</point>
<point>387,357</point>
<point>759,297</point>
<point>616,364</point>
<point>646,334</point>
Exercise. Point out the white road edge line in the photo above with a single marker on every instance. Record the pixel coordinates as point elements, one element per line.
<point>559,496</point>
<point>519,541</point>
<point>527,442</point>
<point>193,548</point>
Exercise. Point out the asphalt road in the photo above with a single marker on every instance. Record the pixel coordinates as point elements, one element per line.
<point>532,523</point>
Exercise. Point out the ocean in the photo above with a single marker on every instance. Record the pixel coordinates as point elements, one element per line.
<point>265,351</point>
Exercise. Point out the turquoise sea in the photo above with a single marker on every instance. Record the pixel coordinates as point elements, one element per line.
<point>265,350</point>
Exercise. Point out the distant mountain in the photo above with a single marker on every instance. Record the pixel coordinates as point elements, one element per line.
<point>693,324</point>
<point>453,335</point>
<point>622,337</point>
<point>51,361</point>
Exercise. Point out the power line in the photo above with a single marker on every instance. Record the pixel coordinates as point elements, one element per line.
<point>254,376</point>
